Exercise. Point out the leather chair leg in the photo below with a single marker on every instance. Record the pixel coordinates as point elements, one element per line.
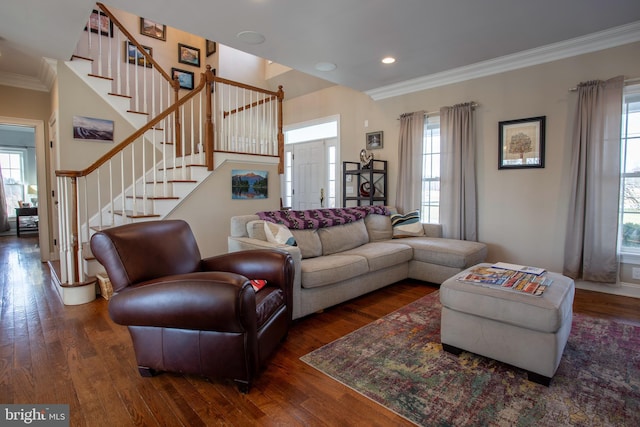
<point>243,386</point>
<point>147,372</point>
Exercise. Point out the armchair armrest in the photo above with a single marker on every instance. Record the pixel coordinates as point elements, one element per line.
<point>275,266</point>
<point>215,301</point>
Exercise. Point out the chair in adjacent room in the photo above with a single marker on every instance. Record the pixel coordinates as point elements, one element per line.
<point>191,315</point>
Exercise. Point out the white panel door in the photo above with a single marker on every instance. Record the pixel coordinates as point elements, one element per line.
<point>309,177</point>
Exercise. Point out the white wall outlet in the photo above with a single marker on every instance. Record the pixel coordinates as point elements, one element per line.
<point>635,273</point>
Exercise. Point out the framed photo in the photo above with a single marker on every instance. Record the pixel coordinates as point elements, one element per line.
<point>92,129</point>
<point>134,56</point>
<point>374,140</point>
<point>188,55</point>
<point>521,143</point>
<point>211,47</point>
<point>100,23</point>
<point>184,77</point>
<point>150,28</point>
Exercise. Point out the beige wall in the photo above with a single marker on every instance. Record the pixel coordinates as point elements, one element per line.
<point>522,214</point>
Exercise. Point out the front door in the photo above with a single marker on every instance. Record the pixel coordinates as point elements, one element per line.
<point>309,177</point>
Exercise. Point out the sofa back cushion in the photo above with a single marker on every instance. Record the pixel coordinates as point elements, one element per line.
<point>379,227</point>
<point>341,238</point>
<point>308,242</point>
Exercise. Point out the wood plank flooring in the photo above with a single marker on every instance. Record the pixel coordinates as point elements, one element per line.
<point>51,353</point>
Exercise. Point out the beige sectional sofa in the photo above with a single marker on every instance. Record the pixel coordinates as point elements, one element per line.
<point>334,264</point>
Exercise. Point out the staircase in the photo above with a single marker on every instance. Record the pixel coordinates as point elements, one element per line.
<point>148,174</point>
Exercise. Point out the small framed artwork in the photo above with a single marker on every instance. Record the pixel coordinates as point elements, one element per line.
<point>134,56</point>
<point>188,55</point>
<point>521,143</point>
<point>185,78</point>
<point>100,23</point>
<point>89,128</point>
<point>211,47</point>
<point>374,140</point>
<point>150,28</point>
<point>249,184</point>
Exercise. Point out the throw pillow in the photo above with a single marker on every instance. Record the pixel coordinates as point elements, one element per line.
<point>407,225</point>
<point>278,233</point>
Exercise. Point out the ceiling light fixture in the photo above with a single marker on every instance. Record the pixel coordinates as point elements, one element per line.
<point>388,60</point>
<point>326,66</point>
<point>251,37</point>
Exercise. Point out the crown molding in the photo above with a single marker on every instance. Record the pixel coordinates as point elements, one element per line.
<point>613,37</point>
<point>43,82</point>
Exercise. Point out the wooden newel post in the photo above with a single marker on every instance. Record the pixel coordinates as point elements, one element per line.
<point>209,142</point>
<point>280,133</point>
<point>74,230</point>
<point>177,121</point>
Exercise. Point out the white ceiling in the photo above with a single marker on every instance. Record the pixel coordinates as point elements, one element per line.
<point>428,37</point>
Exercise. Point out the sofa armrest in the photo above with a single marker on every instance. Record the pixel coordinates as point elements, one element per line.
<point>432,230</point>
<point>209,301</point>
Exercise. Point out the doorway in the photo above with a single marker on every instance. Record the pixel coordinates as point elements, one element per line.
<point>36,187</point>
<point>311,164</point>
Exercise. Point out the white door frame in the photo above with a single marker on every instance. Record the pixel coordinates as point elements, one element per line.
<point>338,171</point>
<point>41,173</point>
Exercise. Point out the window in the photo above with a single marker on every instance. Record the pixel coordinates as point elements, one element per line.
<point>630,168</point>
<point>430,204</point>
<point>12,163</point>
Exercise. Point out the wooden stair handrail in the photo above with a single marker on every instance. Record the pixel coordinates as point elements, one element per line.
<point>137,134</point>
<point>133,41</point>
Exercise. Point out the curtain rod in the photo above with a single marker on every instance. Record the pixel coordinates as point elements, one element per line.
<point>626,82</point>
<point>431,113</point>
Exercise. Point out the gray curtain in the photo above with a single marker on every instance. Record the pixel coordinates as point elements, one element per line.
<point>4,215</point>
<point>409,184</point>
<point>590,251</point>
<point>458,168</point>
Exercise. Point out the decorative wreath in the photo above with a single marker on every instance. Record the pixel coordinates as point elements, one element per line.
<point>365,189</point>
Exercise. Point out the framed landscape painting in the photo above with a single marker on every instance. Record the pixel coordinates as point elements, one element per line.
<point>188,55</point>
<point>185,78</point>
<point>150,28</point>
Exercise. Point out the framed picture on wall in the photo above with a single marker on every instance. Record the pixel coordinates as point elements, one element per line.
<point>211,47</point>
<point>100,23</point>
<point>150,28</point>
<point>521,143</point>
<point>185,78</point>
<point>188,55</point>
<point>134,56</point>
<point>374,140</point>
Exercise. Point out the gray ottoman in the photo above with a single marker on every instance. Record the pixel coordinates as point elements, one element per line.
<point>523,330</point>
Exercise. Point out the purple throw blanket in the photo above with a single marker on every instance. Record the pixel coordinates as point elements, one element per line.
<point>319,218</point>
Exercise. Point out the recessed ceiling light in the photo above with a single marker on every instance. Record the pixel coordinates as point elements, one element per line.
<point>326,66</point>
<point>251,37</point>
<point>388,60</point>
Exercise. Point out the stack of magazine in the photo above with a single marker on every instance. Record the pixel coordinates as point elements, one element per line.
<point>517,278</point>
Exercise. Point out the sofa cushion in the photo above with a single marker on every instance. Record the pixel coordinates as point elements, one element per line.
<point>255,230</point>
<point>308,242</point>
<point>407,225</point>
<point>341,238</point>
<point>327,270</point>
<point>378,227</point>
<point>278,233</point>
<point>447,252</point>
<point>381,255</point>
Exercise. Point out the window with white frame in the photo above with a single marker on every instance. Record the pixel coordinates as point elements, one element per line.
<point>12,163</point>
<point>629,241</point>
<point>430,203</point>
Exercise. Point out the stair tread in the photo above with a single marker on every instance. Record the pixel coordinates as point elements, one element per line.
<point>137,112</point>
<point>81,57</point>
<point>172,181</point>
<point>155,198</point>
<point>99,77</point>
<point>119,94</point>
<point>129,214</point>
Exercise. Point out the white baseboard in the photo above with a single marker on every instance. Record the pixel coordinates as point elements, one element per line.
<point>624,289</point>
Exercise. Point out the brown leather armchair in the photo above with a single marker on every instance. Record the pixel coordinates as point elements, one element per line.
<point>191,315</point>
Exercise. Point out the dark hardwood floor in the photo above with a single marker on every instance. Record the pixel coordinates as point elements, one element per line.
<point>51,353</point>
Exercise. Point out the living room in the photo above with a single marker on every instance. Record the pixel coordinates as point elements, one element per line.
<point>522,214</point>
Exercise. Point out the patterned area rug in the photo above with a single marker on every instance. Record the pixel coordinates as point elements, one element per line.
<point>398,362</point>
